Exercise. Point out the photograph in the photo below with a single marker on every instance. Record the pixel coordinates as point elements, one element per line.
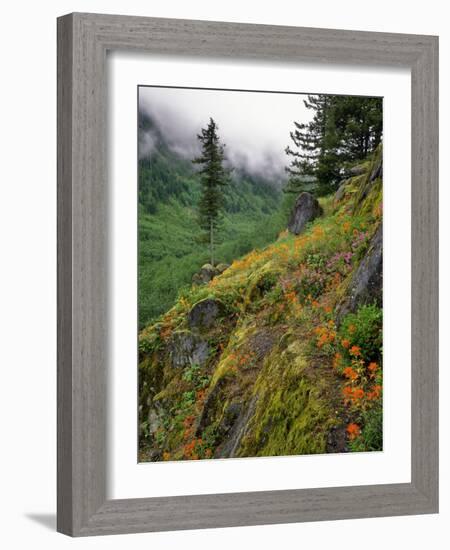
<point>260,273</point>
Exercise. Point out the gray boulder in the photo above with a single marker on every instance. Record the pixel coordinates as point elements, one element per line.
<point>220,268</point>
<point>236,423</point>
<point>205,313</point>
<point>366,286</point>
<point>339,195</point>
<point>357,170</point>
<point>306,209</point>
<point>186,349</point>
<point>207,273</point>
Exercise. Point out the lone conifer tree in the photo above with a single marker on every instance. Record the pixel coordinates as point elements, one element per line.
<point>213,180</point>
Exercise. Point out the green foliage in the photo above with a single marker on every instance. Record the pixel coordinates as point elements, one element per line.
<point>371,438</point>
<point>291,416</point>
<point>365,330</point>
<point>194,375</point>
<point>344,129</point>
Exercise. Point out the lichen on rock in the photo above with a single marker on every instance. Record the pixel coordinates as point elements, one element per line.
<point>205,313</point>
<point>187,348</point>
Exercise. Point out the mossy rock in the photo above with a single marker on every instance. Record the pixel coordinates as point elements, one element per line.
<point>366,284</point>
<point>306,209</point>
<point>187,348</point>
<point>370,188</point>
<point>205,314</point>
<point>222,267</point>
<point>260,282</point>
<point>290,415</point>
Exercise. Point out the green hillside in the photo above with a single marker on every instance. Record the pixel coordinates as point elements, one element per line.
<point>170,250</point>
<point>282,353</point>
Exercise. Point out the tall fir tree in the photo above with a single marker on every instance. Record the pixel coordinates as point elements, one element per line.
<point>213,177</point>
<point>343,130</point>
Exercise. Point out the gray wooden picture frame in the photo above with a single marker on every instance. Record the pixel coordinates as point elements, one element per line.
<point>83,41</point>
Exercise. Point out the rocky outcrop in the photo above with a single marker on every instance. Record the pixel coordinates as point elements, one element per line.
<point>340,193</point>
<point>220,268</point>
<point>208,272</point>
<point>235,424</point>
<point>357,170</point>
<point>366,285</point>
<point>186,349</point>
<point>306,209</point>
<point>205,313</point>
<point>371,185</point>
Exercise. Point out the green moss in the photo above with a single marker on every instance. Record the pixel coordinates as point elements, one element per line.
<point>260,281</point>
<point>369,193</point>
<point>291,417</point>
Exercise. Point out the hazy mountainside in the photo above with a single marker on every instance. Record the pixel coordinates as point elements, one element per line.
<point>282,352</point>
<point>170,251</point>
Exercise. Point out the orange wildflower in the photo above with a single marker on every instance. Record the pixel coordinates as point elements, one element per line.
<point>358,393</point>
<point>188,421</point>
<point>352,394</point>
<point>166,455</point>
<point>291,296</point>
<point>374,393</point>
<point>201,395</point>
<point>372,368</point>
<point>351,329</point>
<point>346,227</point>
<point>353,431</point>
<point>345,343</point>
<point>355,350</point>
<point>347,391</point>
<point>350,373</point>
<point>323,339</point>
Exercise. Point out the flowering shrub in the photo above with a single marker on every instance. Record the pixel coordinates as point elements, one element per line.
<point>312,282</point>
<point>326,336</point>
<point>357,360</point>
<point>341,262</point>
<point>363,330</point>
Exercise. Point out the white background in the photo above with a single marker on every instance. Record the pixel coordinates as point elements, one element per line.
<point>28,300</point>
<point>130,480</point>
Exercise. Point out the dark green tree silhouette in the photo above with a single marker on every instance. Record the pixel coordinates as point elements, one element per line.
<point>343,130</point>
<point>213,177</point>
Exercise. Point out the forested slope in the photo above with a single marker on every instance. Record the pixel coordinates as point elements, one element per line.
<point>170,250</point>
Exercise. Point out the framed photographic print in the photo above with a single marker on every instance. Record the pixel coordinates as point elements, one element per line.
<point>247,274</point>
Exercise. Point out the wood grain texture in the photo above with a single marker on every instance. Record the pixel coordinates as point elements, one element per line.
<point>83,40</point>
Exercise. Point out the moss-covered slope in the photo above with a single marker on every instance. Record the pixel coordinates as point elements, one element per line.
<point>265,360</point>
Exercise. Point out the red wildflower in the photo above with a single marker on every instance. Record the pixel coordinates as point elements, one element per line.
<point>353,430</point>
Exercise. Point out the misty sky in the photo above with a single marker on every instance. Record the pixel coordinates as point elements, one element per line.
<point>254,126</point>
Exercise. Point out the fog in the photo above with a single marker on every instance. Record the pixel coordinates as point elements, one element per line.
<point>254,126</point>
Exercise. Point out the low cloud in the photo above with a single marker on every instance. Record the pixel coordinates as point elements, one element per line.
<point>254,126</point>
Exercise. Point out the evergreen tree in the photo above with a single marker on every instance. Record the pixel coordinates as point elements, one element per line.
<point>213,177</point>
<point>344,129</point>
